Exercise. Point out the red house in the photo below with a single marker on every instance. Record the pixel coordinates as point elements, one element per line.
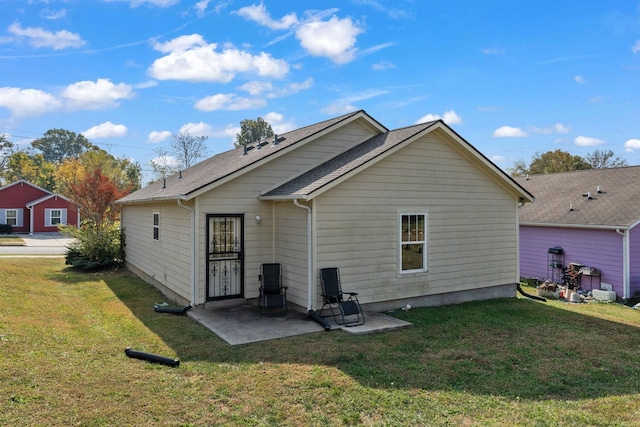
<point>31,209</point>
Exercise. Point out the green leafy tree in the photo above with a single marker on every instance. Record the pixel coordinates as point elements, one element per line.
<point>31,167</point>
<point>601,159</point>
<point>550,162</point>
<point>253,131</point>
<point>58,144</point>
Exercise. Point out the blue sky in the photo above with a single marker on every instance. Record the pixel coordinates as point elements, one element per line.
<point>514,78</point>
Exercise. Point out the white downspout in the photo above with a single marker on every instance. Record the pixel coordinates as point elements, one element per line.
<point>309,258</point>
<point>626,285</point>
<point>193,251</point>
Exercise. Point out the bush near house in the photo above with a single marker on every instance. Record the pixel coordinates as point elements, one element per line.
<point>6,228</point>
<point>96,249</point>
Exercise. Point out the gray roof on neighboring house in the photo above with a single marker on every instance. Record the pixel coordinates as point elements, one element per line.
<point>182,185</point>
<point>617,205</point>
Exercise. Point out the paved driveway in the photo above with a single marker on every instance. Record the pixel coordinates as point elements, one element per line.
<point>39,244</point>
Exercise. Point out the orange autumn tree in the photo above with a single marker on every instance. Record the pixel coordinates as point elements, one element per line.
<point>98,241</point>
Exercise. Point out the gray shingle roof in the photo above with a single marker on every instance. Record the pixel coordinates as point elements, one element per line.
<point>181,185</point>
<point>334,169</point>
<point>618,204</point>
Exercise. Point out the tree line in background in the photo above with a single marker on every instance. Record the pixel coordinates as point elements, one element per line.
<point>67,163</point>
<point>562,161</point>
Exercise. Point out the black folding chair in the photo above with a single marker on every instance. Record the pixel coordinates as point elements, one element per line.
<point>344,306</point>
<point>273,295</point>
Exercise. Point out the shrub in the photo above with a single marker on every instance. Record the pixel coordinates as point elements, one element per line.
<point>94,248</point>
<point>6,228</point>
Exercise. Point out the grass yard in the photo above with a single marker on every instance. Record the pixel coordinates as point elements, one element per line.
<point>10,240</point>
<point>504,362</point>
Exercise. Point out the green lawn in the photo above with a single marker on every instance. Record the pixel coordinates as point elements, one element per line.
<point>503,362</point>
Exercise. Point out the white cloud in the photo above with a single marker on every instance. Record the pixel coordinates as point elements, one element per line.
<point>636,47</point>
<point>52,15</point>
<point>158,136</point>
<point>228,101</point>
<point>292,88</point>
<point>159,3</point>
<point>197,129</point>
<point>509,132</point>
<point>449,117</point>
<point>557,128</point>
<point>579,79</point>
<point>256,87</point>
<point>258,13</point>
<point>278,124</point>
<point>102,93</point>
<point>201,7</point>
<point>39,37</point>
<point>190,58</point>
<point>334,39</point>
<point>28,102</point>
<point>632,144</point>
<point>383,65</point>
<point>106,130</point>
<point>345,104</point>
<point>586,141</point>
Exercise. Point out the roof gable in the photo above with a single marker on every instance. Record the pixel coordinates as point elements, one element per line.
<point>25,182</point>
<point>329,174</point>
<point>45,198</point>
<point>617,205</point>
<point>225,166</point>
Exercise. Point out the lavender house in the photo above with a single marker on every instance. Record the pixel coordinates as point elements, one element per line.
<point>593,215</point>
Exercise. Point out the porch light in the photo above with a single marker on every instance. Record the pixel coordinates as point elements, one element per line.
<point>258,219</point>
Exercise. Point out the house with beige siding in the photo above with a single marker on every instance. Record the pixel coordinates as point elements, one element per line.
<point>414,215</point>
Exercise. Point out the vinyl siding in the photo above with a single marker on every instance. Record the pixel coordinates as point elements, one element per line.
<point>634,258</point>
<point>167,260</point>
<point>601,249</point>
<point>471,234</point>
<point>281,236</point>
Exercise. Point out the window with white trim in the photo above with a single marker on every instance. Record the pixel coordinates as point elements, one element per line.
<point>11,217</point>
<point>54,217</point>
<point>156,226</point>
<point>413,242</point>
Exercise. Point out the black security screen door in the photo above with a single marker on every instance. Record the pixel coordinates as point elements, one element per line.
<point>225,261</point>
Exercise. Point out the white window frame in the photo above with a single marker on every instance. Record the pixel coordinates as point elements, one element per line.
<point>416,237</point>
<point>48,217</point>
<point>156,226</point>
<point>14,217</point>
<point>18,218</point>
<point>52,217</point>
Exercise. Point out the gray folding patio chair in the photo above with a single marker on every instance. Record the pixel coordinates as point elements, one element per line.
<point>344,306</point>
<point>273,295</point>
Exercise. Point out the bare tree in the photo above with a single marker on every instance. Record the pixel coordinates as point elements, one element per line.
<point>188,148</point>
<point>601,159</point>
<point>184,151</point>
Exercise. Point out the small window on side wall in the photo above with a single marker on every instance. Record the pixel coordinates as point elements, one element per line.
<point>413,242</point>
<point>156,226</point>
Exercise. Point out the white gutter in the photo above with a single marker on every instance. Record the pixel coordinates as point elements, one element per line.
<point>309,258</point>
<point>193,251</point>
<point>626,286</point>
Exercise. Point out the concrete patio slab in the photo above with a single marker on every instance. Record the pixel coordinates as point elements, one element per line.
<point>243,323</point>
